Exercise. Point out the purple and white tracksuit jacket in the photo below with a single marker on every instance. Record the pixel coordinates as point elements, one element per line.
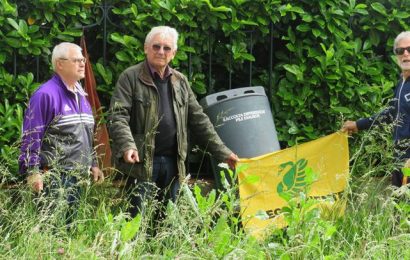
<point>57,129</point>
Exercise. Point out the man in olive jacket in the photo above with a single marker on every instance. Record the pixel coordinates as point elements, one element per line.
<point>152,108</point>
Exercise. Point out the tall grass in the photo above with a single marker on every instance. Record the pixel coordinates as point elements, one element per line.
<point>375,224</point>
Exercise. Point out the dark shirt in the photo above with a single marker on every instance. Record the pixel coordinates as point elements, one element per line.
<point>165,139</point>
<point>398,113</point>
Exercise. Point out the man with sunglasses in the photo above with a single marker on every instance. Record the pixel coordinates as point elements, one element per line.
<point>57,143</point>
<point>152,108</point>
<point>398,112</point>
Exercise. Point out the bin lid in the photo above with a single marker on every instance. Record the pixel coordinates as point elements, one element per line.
<point>223,96</point>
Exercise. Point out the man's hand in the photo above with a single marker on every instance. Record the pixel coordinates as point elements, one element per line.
<point>350,127</point>
<point>35,181</point>
<point>98,175</point>
<point>232,160</point>
<point>131,156</point>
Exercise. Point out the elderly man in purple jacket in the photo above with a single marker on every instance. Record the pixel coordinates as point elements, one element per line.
<point>58,125</point>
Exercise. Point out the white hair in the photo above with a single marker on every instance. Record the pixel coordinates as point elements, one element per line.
<point>61,51</point>
<point>400,37</point>
<point>164,31</point>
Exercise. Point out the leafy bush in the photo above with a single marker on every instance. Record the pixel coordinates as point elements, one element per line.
<point>332,59</point>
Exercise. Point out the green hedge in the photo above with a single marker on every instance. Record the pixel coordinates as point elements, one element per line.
<point>332,58</point>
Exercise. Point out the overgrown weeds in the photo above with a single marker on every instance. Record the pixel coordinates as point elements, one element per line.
<point>375,224</point>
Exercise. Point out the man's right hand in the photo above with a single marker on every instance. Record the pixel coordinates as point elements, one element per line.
<point>232,160</point>
<point>350,127</point>
<point>131,156</point>
<point>35,181</point>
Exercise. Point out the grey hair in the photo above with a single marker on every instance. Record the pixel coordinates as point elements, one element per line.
<point>401,36</point>
<point>163,31</point>
<point>61,51</point>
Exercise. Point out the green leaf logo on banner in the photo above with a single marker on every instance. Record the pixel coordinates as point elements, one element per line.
<point>294,175</point>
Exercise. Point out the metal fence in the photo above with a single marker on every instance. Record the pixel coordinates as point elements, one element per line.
<point>105,22</point>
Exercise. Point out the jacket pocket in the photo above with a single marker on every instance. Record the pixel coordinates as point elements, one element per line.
<point>139,114</point>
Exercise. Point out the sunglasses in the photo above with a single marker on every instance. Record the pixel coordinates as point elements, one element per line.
<point>157,47</point>
<point>400,51</point>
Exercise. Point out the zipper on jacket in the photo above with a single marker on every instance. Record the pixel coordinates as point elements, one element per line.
<point>396,121</point>
<point>80,98</point>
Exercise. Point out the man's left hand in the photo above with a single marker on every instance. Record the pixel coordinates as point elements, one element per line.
<point>98,175</point>
<point>232,160</point>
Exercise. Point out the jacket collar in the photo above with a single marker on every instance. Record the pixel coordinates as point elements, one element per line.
<point>146,76</point>
<point>78,88</point>
<point>153,71</point>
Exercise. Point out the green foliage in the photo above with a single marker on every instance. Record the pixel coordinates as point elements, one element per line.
<point>373,149</point>
<point>11,116</point>
<point>375,224</point>
<point>332,59</point>
<point>306,228</point>
<point>330,63</point>
<point>130,228</point>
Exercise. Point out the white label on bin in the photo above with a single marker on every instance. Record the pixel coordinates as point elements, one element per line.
<point>244,116</point>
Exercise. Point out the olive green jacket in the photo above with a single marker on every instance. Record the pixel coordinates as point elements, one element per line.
<point>134,119</point>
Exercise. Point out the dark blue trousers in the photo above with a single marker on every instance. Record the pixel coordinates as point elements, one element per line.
<point>61,189</point>
<point>164,185</point>
<point>401,153</point>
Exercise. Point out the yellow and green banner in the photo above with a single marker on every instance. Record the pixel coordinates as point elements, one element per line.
<point>263,178</point>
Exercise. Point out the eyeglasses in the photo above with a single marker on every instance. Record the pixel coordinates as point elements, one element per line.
<point>157,47</point>
<point>400,51</point>
<point>77,60</point>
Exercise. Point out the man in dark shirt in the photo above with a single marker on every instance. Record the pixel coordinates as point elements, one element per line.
<point>152,108</point>
<point>398,112</point>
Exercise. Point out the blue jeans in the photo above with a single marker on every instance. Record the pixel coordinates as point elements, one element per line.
<point>61,188</point>
<point>401,154</point>
<point>164,185</point>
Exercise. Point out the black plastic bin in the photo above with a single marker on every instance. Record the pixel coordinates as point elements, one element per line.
<point>243,119</point>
